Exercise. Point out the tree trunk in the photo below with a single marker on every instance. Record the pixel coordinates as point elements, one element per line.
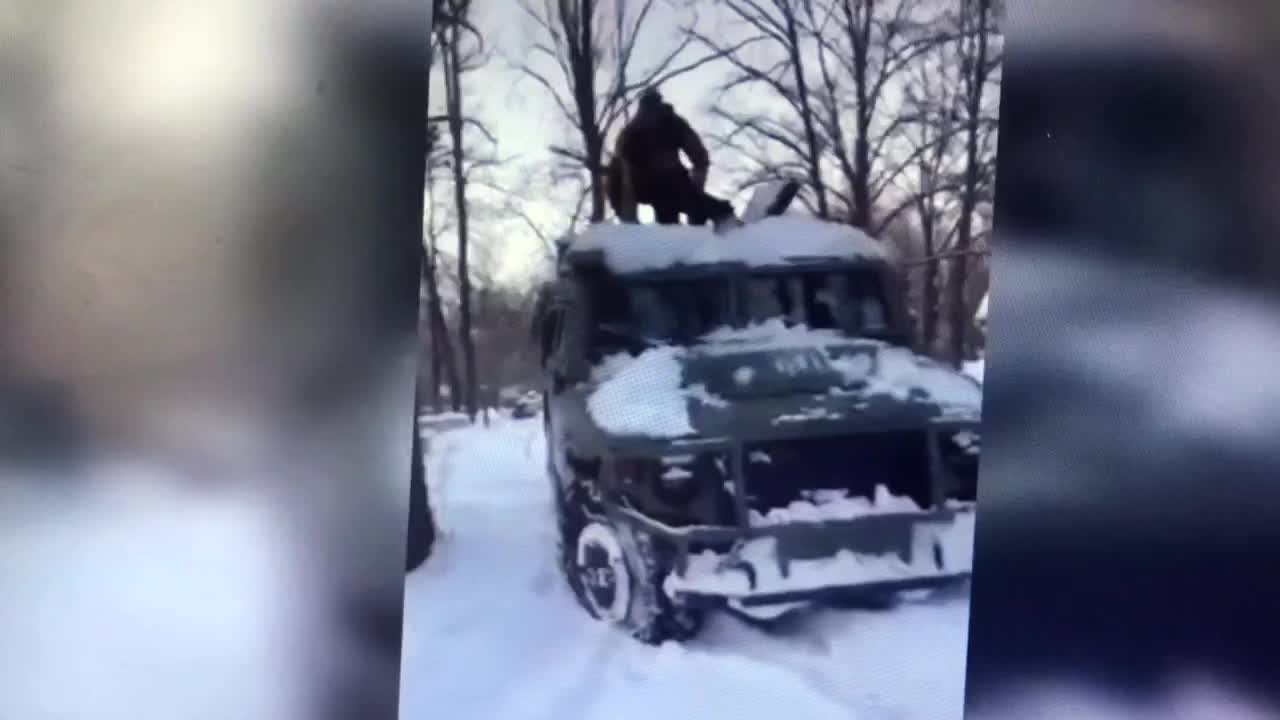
<point>421,535</point>
<point>595,158</point>
<point>861,180</point>
<point>806,113</point>
<point>440,330</point>
<point>583,61</point>
<point>453,98</point>
<point>929,316</point>
<point>976,74</point>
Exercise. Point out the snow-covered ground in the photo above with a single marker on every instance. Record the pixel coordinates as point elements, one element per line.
<point>491,630</point>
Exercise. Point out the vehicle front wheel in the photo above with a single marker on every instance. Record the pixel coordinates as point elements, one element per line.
<point>617,575</point>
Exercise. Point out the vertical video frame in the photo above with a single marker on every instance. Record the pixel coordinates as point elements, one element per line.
<point>703,320</point>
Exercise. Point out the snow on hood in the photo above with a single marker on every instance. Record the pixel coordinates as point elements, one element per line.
<point>650,395</point>
<point>641,395</point>
<point>772,241</point>
<point>881,368</point>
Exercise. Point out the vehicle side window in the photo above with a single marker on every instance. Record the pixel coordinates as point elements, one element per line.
<point>870,295</point>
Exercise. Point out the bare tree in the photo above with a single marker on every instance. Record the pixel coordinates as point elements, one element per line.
<point>931,126</point>
<point>461,50</point>
<point>592,46</point>
<point>530,190</point>
<point>979,61</point>
<point>443,359</point>
<point>773,24</point>
<point>862,47</point>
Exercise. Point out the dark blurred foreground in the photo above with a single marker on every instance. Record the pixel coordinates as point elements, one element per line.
<point>210,224</point>
<point>1130,523</point>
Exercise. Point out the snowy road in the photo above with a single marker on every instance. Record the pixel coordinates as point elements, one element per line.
<point>491,630</point>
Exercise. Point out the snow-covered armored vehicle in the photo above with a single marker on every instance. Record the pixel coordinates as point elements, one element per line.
<point>737,420</point>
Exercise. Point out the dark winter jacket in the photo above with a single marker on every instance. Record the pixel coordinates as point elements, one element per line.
<point>652,142</point>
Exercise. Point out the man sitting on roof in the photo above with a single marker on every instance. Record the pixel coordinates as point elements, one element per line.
<point>646,169</point>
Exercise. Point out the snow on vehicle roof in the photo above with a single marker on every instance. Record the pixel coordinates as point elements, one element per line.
<point>772,241</point>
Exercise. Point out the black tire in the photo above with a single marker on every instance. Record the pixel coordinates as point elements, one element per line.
<point>645,612</point>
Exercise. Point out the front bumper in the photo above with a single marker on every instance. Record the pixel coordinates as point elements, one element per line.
<point>814,561</point>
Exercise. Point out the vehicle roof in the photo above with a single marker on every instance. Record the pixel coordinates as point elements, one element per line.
<point>772,243</point>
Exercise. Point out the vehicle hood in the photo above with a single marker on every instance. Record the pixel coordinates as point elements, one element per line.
<point>748,386</point>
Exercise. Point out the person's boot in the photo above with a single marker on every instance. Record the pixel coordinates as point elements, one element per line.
<point>725,223</point>
<point>724,218</point>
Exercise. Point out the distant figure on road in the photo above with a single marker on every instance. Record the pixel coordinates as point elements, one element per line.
<point>646,169</point>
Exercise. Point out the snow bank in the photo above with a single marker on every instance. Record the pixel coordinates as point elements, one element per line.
<point>836,506</point>
<point>769,242</point>
<point>706,573</point>
<point>641,395</point>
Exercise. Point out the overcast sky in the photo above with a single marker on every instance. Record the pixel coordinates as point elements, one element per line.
<point>526,120</point>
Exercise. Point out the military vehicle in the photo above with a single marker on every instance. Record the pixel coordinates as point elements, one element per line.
<point>736,420</point>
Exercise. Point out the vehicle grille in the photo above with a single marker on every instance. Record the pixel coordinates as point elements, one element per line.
<point>852,463</point>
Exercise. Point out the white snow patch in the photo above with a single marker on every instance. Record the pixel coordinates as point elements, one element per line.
<point>836,505</point>
<point>645,396</point>
<point>806,415</point>
<point>765,612</point>
<point>975,369</point>
<point>710,572</point>
<point>701,394</point>
<point>772,334</point>
<point>900,372</point>
<point>775,241</point>
<point>676,473</point>
<point>761,199</point>
<point>968,441</point>
<point>641,395</point>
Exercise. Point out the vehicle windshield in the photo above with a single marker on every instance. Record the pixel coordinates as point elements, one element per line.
<point>679,311</point>
<point>668,311</point>
<point>851,301</point>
